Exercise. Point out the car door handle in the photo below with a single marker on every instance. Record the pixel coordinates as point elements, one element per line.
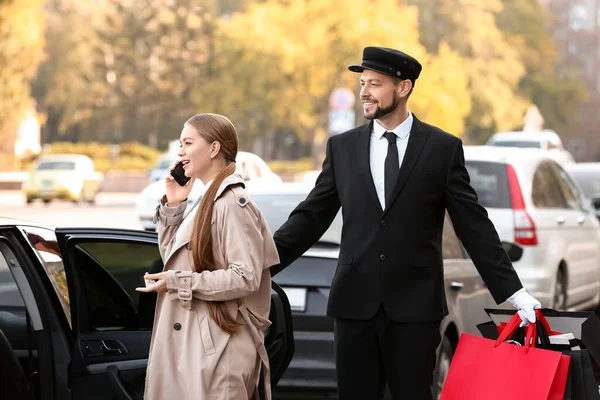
<point>456,285</point>
<point>111,347</point>
<point>560,220</point>
<point>581,219</point>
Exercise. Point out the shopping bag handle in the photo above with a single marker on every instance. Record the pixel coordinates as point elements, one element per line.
<point>540,316</point>
<point>511,327</point>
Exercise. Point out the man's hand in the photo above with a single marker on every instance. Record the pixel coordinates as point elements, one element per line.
<point>525,305</point>
<point>154,283</point>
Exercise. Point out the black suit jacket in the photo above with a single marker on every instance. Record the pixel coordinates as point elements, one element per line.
<point>394,256</point>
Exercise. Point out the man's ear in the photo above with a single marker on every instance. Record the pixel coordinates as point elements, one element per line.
<point>405,87</point>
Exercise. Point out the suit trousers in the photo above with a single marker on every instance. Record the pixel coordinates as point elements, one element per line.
<point>369,353</point>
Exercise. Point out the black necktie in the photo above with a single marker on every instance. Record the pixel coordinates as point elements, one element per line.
<point>392,167</point>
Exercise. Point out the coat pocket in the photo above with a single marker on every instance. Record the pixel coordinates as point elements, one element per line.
<point>205,336</point>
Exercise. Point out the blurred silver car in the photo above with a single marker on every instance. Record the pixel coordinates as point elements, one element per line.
<point>307,282</point>
<point>535,203</point>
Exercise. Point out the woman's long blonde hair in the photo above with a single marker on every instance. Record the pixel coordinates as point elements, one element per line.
<point>213,128</point>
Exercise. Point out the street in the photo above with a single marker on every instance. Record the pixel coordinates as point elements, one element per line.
<point>112,210</point>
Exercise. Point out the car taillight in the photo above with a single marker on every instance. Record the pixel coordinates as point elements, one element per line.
<point>525,232</point>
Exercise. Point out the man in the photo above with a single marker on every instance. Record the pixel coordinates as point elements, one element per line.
<point>394,178</point>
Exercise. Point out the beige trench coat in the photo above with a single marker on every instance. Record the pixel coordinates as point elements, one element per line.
<point>191,358</point>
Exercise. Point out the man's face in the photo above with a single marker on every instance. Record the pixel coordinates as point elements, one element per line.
<point>378,94</point>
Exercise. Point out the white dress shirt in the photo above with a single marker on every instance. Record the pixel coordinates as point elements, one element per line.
<point>378,152</point>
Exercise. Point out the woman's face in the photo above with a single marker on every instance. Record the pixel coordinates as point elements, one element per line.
<point>195,153</point>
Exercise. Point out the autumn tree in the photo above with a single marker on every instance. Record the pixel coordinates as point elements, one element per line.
<point>558,98</point>
<point>277,63</point>
<point>493,65</point>
<point>21,51</point>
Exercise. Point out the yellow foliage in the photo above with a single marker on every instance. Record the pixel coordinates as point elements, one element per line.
<point>296,52</point>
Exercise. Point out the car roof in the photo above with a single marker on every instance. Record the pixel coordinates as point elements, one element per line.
<point>584,167</point>
<point>52,157</point>
<point>526,135</point>
<point>506,155</point>
<point>8,221</point>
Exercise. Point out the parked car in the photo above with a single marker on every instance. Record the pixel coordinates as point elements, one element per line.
<point>533,202</point>
<point>253,169</point>
<point>72,325</point>
<point>587,176</point>
<point>62,176</point>
<point>547,140</point>
<point>307,282</point>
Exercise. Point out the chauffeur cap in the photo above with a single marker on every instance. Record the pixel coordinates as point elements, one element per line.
<point>390,62</point>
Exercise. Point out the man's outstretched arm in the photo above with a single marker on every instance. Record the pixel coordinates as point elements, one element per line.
<point>310,219</point>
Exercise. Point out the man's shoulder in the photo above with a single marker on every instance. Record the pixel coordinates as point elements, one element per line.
<point>350,134</point>
<point>437,133</point>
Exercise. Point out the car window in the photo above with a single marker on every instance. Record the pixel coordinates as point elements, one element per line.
<point>546,191</point>
<point>589,182</point>
<point>490,181</point>
<point>517,143</point>
<point>569,190</point>
<point>10,296</point>
<point>256,170</point>
<point>44,243</point>
<point>110,282</point>
<point>451,246</point>
<point>246,171</point>
<point>165,163</point>
<point>55,165</point>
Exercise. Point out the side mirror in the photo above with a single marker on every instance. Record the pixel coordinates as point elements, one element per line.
<point>514,251</point>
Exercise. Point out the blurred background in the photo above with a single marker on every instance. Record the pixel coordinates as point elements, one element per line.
<point>116,79</point>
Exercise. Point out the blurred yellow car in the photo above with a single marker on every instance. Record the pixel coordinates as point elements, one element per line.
<point>63,176</point>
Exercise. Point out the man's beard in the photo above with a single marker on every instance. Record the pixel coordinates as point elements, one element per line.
<point>382,112</point>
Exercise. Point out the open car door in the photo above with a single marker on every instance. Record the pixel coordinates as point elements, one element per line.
<point>112,323</point>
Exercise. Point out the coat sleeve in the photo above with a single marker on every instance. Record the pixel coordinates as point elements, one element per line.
<point>243,249</point>
<point>169,219</point>
<point>477,232</point>
<point>311,218</point>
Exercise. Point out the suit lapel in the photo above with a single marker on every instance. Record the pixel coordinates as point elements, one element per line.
<point>363,147</point>
<point>416,141</point>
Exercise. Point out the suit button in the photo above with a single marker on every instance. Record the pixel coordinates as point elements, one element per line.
<point>382,257</point>
<point>384,223</point>
<point>177,326</point>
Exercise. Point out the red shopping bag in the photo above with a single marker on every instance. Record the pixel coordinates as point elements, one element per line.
<point>498,370</point>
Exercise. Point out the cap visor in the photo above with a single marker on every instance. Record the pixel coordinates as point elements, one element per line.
<point>356,68</point>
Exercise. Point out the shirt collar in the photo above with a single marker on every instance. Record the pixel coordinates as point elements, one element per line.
<point>402,130</point>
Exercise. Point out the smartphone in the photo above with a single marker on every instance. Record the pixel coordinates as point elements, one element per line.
<point>178,173</point>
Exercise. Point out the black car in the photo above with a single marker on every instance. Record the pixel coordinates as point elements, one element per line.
<point>72,325</point>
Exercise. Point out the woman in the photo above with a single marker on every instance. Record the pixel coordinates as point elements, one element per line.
<point>215,291</point>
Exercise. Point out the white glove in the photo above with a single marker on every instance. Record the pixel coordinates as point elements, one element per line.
<point>525,305</point>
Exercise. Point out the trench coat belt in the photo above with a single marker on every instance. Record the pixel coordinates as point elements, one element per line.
<point>252,323</point>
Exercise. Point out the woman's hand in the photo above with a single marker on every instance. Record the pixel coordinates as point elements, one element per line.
<point>154,283</point>
<point>176,194</point>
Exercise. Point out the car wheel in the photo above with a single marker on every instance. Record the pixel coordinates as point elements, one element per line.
<point>46,201</point>
<point>29,200</point>
<point>560,291</point>
<point>442,366</point>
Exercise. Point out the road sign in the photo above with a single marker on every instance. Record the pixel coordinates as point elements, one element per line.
<point>342,99</point>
